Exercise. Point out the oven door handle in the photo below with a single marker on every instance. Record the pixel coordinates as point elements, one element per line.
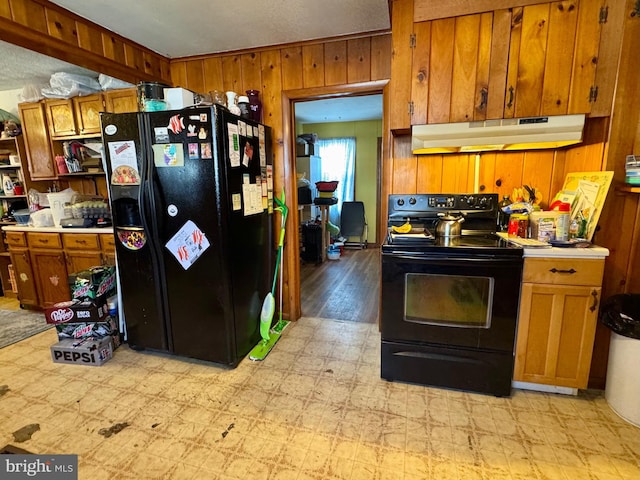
<point>435,259</point>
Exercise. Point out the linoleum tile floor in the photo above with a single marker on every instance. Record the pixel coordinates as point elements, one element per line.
<point>315,408</point>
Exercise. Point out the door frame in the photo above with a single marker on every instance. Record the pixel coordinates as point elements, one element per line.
<point>289,98</point>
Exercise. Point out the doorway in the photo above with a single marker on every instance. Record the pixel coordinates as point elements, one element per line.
<point>344,289</point>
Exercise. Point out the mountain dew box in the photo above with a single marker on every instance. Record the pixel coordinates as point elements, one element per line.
<point>93,283</point>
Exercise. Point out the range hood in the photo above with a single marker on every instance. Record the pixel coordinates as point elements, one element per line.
<point>506,134</point>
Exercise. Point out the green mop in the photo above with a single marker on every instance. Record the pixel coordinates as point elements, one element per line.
<point>271,335</point>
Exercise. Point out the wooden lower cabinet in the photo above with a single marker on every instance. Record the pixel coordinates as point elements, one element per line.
<point>25,280</point>
<point>559,305</point>
<point>49,266</point>
<point>42,262</point>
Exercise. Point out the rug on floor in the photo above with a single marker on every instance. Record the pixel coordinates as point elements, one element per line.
<point>16,325</point>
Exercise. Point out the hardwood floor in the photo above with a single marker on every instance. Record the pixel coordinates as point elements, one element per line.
<point>344,289</point>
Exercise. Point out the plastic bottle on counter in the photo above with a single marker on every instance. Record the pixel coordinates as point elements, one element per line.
<point>563,221</point>
<point>574,228</point>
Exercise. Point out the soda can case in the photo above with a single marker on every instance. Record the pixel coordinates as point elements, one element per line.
<point>87,351</point>
<point>77,311</point>
<point>93,283</point>
<point>96,330</point>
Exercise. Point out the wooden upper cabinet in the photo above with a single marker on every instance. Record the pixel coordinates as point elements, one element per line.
<point>37,141</point>
<point>525,61</point>
<point>74,116</point>
<point>122,100</point>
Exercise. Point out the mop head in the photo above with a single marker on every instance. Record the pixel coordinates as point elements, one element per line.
<point>266,315</point>
<point>262,349</point>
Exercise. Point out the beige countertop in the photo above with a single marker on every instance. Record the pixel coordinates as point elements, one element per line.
<point>592,251</point>
<point>27,228</point>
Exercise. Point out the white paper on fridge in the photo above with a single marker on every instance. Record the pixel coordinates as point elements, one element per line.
<point>234,145</point>
<point>168,155</point>
<point>124,163</point>
<point>252,197</point>
<point>188,244</point>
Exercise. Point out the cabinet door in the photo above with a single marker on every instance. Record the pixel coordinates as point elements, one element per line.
<point>108,243</point>
<point>87,113</point>
<point>122,100</point>
<point>60,117</point>
<point>51,276</point>
<point>556,330</point>
<point>37,141</point>
<point>25,281</point>
<point>78,260</point>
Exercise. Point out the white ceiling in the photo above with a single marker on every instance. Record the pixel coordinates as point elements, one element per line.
<point>213,27</point>
<point>194,27</point>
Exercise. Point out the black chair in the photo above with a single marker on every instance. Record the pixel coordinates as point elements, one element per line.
<point>353,223</point>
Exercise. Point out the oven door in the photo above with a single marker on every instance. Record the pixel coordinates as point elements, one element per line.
<point>469,301</point>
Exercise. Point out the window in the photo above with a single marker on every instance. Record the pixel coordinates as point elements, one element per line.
<point>338,160</point>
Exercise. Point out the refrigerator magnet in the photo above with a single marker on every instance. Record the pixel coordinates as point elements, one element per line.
<point>168,155</point>
<point>193,151</point>
<point>188,244</point>
<point>161,134</point>
<point>236,201</point>
<point>205,150</point>
<point>247,154</point>
<point>234,145</point>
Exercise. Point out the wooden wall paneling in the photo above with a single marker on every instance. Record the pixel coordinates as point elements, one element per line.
<point>61,26</point>
<point>483,66</point>
<point>405,166</point>
<point>563,18</point>
<point>558,172</point>
<point>152,65</point>
<point>609,56</point>
<point>429,176</point>
<point>515,40</point>
<point>633,279</point>
<point>487,174</point>
<point>420,72</point>
<point>509,168</point>
<point>89,39</point>
<point>586,57</point>
<point>465,64</point>
<point>212,67</point>
<point>537,170</point>
<point>498,63</point>
<point>441,68</point>
<point>231,73</point>
<point>178,73</point>
<point>5,9</point>
<point>291,59</point>
<point>271,97</point>
<point>251,72</point>
<point>381,57</point>
<point>335,63</point>
<point>359,60</point>
<point>430,10</point>
<point>533,50</point>
<point>313,65</point>
<point>195,76</point>
<point>455,173</point>
<point>30,14</point>
<point>134,57</point>
<point>113,48</point>
<point>401,53</point>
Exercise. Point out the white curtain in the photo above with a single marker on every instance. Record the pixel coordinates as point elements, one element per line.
<point>338,160</point>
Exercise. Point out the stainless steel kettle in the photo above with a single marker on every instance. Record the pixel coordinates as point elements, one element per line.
<point>449,225</point>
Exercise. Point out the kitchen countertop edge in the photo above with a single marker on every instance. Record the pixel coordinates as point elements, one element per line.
<point>593,251</point>
<point>26,228</point>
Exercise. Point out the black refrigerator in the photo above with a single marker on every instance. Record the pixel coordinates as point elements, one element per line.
<point>191,195</point>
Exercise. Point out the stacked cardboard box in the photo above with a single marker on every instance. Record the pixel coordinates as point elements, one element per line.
<point>87,334</point>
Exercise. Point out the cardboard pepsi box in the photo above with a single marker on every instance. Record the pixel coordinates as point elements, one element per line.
<point>85,351</point>
<point>75,311</point>
<point>93,283</point>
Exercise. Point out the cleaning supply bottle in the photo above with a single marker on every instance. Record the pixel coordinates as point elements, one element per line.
<point>563,220</point>
<point>503,217</point>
